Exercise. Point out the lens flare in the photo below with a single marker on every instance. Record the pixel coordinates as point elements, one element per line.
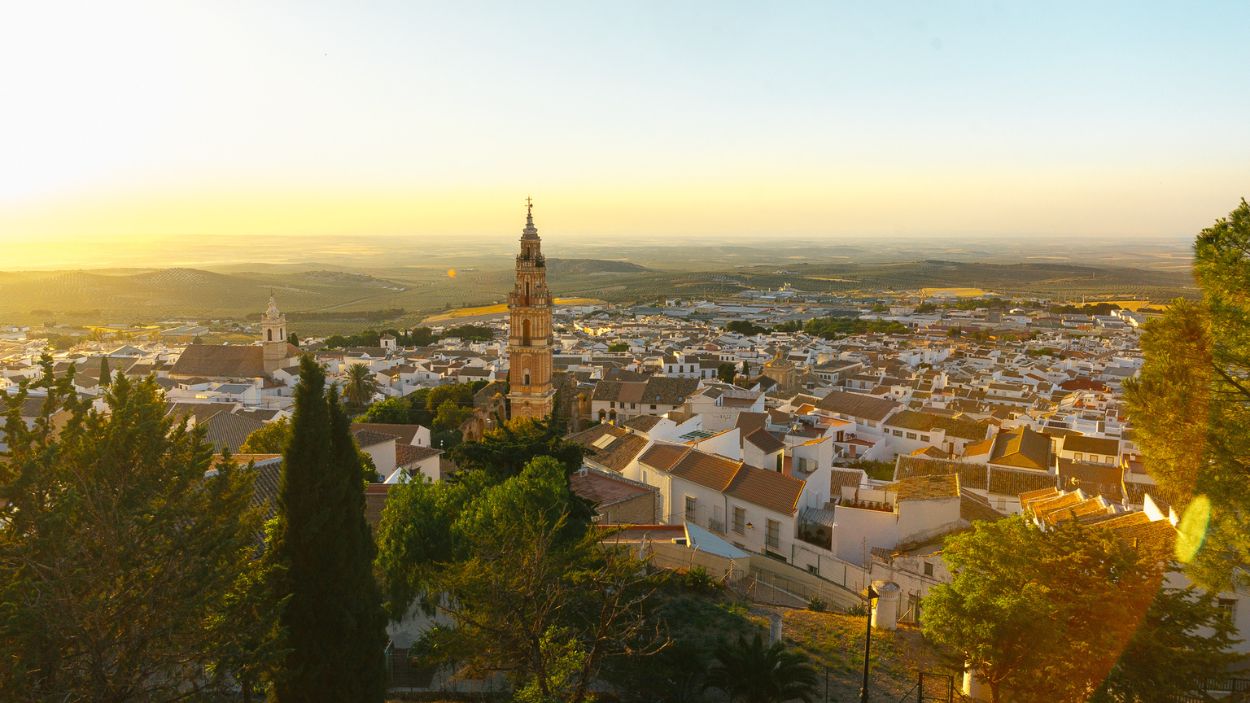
<point>1192,531</point>
<point>451,273</point>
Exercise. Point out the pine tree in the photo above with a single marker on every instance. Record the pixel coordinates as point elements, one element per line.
<point>105,376</point>
<point>1191,406</point>
<point>127,556</point>
<point>333,622</point>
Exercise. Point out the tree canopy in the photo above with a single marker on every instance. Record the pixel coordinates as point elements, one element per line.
<point>1042,615</point>
<point>271,438</point>
<point>332,619</point>
<point>530,589</point>
<point>1190,406</point>
<point>753,672</point>
<point>127,555</point>
<point>838,327</point>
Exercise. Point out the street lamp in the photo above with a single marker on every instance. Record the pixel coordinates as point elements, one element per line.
<point>863,689</point>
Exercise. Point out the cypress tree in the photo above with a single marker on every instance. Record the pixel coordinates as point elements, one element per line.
<point>332,622</point>
<point>105,376</point>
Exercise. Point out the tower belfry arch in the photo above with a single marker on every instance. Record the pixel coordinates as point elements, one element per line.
<point>529,328</point>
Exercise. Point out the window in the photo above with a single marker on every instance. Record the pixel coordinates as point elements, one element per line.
<point>924,438</point>
<point>691,506</point>
<point>1079,456</point>
<point>928,569</point>
<point>911,435</point>
<point>740,520</point>
<point>779,463</point>
<point>1229,606</point>
<point>772,534</point>
<point>653,407</point>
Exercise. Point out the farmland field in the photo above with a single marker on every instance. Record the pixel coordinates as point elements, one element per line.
<point>952,292</point>
<point>324,299</point>
<point>484,310</point>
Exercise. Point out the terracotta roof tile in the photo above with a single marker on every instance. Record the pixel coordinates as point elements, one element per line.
<point>767,489</point>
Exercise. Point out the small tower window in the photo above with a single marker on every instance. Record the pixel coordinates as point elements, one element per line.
<point>269,332</point>
<point>525,332</point>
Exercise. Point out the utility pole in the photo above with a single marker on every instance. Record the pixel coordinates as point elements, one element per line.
<point>863,689</point>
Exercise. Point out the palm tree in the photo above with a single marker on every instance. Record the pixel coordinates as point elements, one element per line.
<point>752,672</point>
<point>360,386</point>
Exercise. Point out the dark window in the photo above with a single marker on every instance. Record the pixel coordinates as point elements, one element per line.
<point>928,569</point>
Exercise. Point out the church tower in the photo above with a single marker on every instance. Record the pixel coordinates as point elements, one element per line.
<point>529,329</point>
<point>273,336</point>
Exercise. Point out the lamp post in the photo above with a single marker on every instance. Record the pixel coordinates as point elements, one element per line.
<point>863,689</point>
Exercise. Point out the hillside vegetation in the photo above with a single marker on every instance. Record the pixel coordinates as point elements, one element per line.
<point>413,293</point>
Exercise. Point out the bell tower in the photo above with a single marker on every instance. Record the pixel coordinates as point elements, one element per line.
<point>529,329</point>
<point>273,336</point>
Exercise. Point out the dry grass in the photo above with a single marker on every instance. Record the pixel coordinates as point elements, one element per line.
<point>500,309</point>
<point>836,641</point>
<point>952,292</point>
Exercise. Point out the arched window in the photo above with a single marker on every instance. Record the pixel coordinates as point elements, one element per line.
<point>527,292</point>
<point>525,332</point>
<point>527,377</point>
<point>269,332</point>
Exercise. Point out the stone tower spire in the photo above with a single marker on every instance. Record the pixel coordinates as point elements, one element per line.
<point>529,328</point>
<point>273,335</point>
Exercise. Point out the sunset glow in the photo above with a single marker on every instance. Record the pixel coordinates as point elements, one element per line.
<point>138,120</point>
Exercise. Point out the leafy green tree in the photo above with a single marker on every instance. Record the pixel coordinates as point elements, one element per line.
<point>459,393</point>
<point>471,333</point>
<point>696,626</point>
<point>450,415</point>
<point>1040,615</point>
<point>332,620</point>
<point>1191,406</point>
<point>396,411</point>
<point>753,672</point>
<point>837,327</point>
<point>924,308</point>
<point>271,438</point>
<point>292,339</point>
<point>127,558</point>
<point>530,590</point>
<point>726,371</point>
<point>1185,638</point>
<point>618,347</point>
<point>745,327</point>
<point>504,451</point>
<point>359,386</point>
<point>419,337</point>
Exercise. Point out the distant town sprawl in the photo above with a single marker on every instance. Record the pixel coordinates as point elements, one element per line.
<point>802,445</point>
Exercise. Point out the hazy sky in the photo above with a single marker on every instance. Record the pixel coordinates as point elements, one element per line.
<point>765,118</point>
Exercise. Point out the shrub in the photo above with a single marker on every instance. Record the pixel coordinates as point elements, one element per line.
<point>699,580</point>
<point>816,604</point>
